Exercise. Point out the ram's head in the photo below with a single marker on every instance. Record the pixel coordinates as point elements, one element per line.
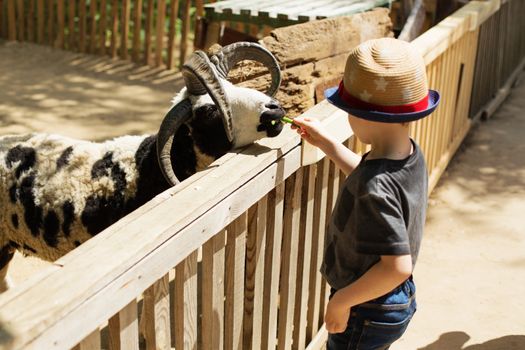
<point>245,114</point>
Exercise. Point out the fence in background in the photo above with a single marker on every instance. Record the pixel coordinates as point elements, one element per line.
<point>156,33</point>
<point>229,259</point>
<point>501,50</point>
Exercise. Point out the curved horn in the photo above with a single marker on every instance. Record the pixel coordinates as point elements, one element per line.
<point>177,116</point>
<point>231,54</point>
<point>201,77</point>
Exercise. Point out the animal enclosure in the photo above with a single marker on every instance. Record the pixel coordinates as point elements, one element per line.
<point>229,259</point>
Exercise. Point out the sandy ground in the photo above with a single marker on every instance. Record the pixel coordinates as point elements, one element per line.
<point>471,270</point>
<point>83,96</point>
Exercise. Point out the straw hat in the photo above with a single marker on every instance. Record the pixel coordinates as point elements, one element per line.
<point>385,81</point>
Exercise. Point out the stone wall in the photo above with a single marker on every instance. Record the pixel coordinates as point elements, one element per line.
<point>312,56</point>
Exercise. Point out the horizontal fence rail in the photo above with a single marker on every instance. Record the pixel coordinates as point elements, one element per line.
<point>156,33</point>
<point>229,258</point>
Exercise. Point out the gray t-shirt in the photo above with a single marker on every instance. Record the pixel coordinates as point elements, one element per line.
<point>380,210</point>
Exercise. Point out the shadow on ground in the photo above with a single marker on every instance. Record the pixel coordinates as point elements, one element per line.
<point>85,96</point>
<point>456,340</point>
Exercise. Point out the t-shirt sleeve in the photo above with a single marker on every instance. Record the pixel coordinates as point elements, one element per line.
<point>380,227</point>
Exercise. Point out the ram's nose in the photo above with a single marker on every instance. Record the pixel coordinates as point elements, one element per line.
<point>274,113</point>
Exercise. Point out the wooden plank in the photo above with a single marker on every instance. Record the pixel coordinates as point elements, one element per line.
<point>185,32</point>
<point>3,21</point>
<point>292,212</point>
<point>71,25</point>
<point>174,12</point>
<point>234,281</point>
<point>272,267</point>
<point>124,29</point>
<point>30,21</point>
<point>93,26</point>
<point>199,5</point>
<point>137,27</point>
<point>147,40</point>
<point>157,312</point>
<point>50,16</point>
<point>186,304</point>
<point>61,23</point>
<point>102,27</point>
<point>82,25</point>
<point>159,45</point>
<point>124,329</point>
<point>119,282</point>
<point>213,266</point>
<point>11,20</point>
<point>91,342</point>
<point>20,14</point>
<point>304,257</point>
<point>114,28</point>
<point>254,272</point>
<point>318,233</point>
<point>319,341</point>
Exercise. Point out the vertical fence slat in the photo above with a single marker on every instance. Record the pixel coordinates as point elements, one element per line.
<point>50,22</point>
<point>159,45</point>
<point>137,27</point>
<point>82,25</point>
<point>11,20</point>
<point>147,38</point>
<point>234,281</point>
<point>185,32</point>
<point>3,20</point>
<point>124,329</point>
<point>71,24</point>
<point>102,29</point>
<point>20,12</point>
<point>124,30</point>
<point>157,313</point>
<point>93,26</point>
<point>59,42</point>
<point>304,257</point>
<point>91,342</point>
<point>292,211</point>
<point>30,21</point>
<point>314,300</point>
<point>114,28</point>
<point>186,304</point>
<point>272,266</point>
<point>213,255</point>
<point>253,296</point>
<point>174,11</point>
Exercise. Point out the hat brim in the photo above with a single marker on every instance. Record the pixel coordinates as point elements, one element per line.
<point>333,97</point>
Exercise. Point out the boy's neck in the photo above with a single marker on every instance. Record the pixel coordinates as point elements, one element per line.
<point>392,145</point>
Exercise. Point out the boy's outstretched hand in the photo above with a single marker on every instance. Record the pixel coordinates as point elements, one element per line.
<point>311,130</point>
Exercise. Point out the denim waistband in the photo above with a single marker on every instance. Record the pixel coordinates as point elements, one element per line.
<point>407,286</point>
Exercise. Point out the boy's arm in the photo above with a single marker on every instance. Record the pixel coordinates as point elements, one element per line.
<point>384,276</point>
<point>312,131</point>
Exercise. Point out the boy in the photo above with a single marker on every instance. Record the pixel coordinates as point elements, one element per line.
<point>374,235</point>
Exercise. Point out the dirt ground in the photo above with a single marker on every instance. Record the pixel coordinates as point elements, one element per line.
<point>471,270</point>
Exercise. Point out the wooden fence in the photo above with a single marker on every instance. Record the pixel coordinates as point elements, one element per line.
<point>229,259</point>
<point>156,33</point>
<point>501,50</point>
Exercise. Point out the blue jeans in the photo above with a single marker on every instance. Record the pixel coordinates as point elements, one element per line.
<point>376,324</point>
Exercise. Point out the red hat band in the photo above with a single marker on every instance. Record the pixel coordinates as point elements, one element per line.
<point>354,102</point>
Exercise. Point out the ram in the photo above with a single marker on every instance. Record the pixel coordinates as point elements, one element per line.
<point>58,192</point>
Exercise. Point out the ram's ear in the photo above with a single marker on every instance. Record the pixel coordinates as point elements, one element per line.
<point>177,116</point>
<point>201,77</point>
